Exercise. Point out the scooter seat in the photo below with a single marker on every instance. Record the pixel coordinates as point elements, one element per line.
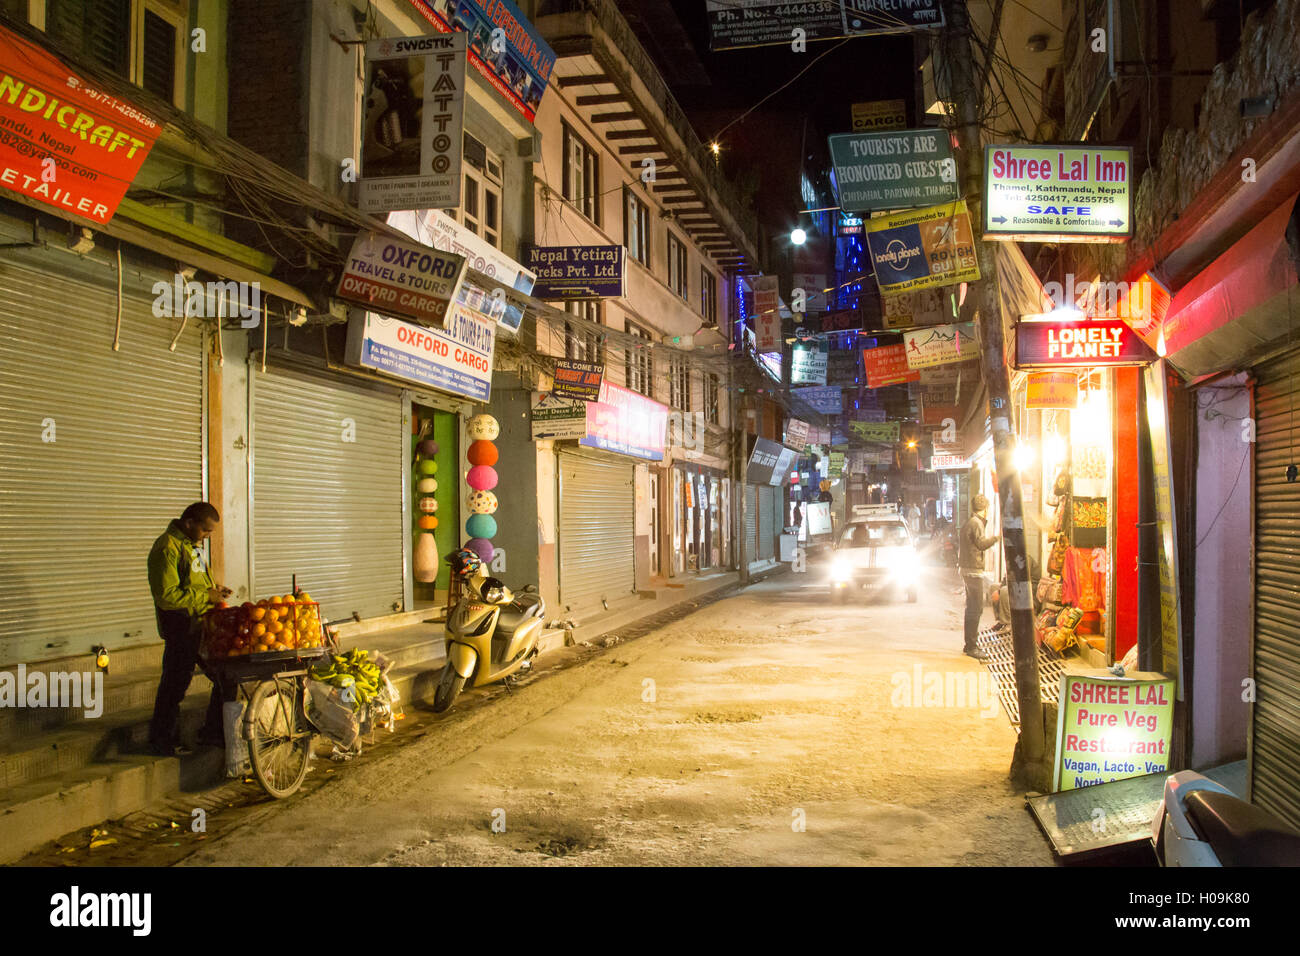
<point>524,606</point>
<point>1240,833</point>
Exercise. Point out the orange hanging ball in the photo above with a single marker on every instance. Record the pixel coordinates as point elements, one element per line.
<point>427,522</point>
<point>482,452</point>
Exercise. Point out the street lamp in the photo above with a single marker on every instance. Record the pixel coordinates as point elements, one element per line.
<point>798,237</point>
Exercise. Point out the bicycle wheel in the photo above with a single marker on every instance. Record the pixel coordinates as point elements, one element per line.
<point>279,737</point>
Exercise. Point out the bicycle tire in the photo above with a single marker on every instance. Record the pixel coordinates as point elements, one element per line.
<point>279,737</point>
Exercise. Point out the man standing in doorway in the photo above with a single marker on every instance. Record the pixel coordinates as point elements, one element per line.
<point>973,544</point>
<point>183,591</point>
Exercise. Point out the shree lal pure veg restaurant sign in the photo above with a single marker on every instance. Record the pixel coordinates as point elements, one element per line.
<point>1098,342</point>
<point>63,143</point>
<point>458,360</point>
<point>893,170</point>
<point>923,249</point>
<point>402,278</point>
<point>1058,193</point>
<point>1111,728</point>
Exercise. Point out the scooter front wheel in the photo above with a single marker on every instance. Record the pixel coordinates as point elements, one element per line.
<point>449,687</point>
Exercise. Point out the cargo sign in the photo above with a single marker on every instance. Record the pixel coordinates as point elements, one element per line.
<point>887,365</point>
<point>576,272</point>
<point>1067,344</point>
<point>878,115</point>
<point>458,360</point>
<point>577,380</point>
<point>558,418</point>
<point>1111,729</point>
<point>63,143</point>
<point>893,170</point>
<point>1058,193</point>
<point>414,123</point>
<point>923,249</point>
<point>626,422</point>
<point>941,345</point>
<point>402,278</point>
<point>503,46</point>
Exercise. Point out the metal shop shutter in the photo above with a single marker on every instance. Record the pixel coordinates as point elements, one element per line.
<point>78,514</point>
<point>1275,724</point>
<point>751,523</point>
<point>325,509</point>
<point>766,522</point>
<point>597,529</point>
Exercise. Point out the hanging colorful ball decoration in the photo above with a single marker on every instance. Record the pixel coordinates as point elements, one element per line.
<point>425,559</point>
<point>481,479</point>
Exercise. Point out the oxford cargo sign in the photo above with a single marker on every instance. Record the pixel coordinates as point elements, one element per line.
<point>1058,193</point>
<point>893,170</point>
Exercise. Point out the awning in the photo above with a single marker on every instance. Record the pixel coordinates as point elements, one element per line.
<point>1236,309</point>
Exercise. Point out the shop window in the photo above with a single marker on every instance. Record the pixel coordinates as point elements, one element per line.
<point>712,398</point>
<point>639,364</point>
<point>582,344</point>
<point>708,296</point>
<point>480,208</point>
<point>142,40</point>
<point>581,175</point>
<point>636,228</point>
<point>98,30</point>
<point>679,384</point>
<point>676,265</point>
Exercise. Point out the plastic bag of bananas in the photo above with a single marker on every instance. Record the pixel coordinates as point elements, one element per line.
<point>361,679</point>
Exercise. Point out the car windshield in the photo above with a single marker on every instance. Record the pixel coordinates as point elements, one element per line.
<point>874,534</point>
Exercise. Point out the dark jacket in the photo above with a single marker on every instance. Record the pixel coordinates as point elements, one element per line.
<point>973,544</point>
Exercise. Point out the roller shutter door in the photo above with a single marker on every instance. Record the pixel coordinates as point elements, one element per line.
<point>597,530</point>
<point>751,523</point>
<point>766,523</point>
<point>99,450</point>
<point>1275,726</point>
<point>325,508</point>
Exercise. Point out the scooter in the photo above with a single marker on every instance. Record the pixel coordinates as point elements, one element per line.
<point>491,634</point>
<point>1200,823</point>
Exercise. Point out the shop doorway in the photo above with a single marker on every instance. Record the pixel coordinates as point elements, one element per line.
<point>654,523</point>
<point>440,520</point>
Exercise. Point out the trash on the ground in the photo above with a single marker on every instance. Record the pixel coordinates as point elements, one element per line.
<point>105,842</point>
<point>612,639</point>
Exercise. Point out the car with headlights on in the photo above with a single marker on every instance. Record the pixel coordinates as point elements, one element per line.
<point>876,553</point>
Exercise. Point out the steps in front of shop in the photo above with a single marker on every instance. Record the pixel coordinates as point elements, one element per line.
<point>61,771</point>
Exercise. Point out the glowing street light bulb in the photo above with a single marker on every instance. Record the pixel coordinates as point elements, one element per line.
<point>1023,457</point>
<point>798,237</point>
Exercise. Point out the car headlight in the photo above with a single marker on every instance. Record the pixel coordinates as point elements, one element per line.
<point>907,566</point>
<point>841,568</point>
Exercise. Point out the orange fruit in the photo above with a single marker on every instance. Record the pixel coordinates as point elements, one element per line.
<point>257,613</point>
<point>259,630</point>
<point>259,648</point>
<point>304,598</point>
<point>275,600</point>
<point>275,627</point>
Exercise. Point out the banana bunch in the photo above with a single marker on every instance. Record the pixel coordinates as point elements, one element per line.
<point>351,670</point>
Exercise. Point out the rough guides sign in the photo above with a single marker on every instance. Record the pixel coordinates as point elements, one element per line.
<point>503,46</point>
<point>923,249</point>
<point>626,422</point>
<point>1102,342</point>
<point>402,278</point>
<point>1058,193</point>
<point>893,170</point>
<point>458,360</point>
<point>1111,728</point>
<point>414,123</point>
<point>887,365</point>
<point>576,272</point>
<point>64,143</point>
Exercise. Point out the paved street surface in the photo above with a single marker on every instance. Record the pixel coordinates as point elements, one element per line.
<point>767,727</point>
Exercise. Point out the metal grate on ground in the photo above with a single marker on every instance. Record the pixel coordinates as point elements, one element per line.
<point>996,643</point>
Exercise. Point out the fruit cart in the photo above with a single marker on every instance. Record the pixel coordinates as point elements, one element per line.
<point>272,680</point>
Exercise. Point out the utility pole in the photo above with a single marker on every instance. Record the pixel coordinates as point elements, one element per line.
<point>1028,766</point>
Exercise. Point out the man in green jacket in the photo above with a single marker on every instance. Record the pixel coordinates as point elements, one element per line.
<point>182,591</point>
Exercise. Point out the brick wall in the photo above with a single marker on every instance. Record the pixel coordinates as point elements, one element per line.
<point>267,60</point>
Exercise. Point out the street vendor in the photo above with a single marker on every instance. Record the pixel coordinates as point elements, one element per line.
<point>183,590</point>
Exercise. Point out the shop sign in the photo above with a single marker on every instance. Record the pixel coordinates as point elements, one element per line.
<point>938,414</point>
<point>1083,343</point>
<point>626,422</point>
<point>808,363</point>
<point>938,394</point>
<point>577,380</point>
<point>942,375</point>
<point>878,115</point>
<point>402,278</point>
<point>924,248</point>
<point>767,314</point>
<point>819,517</point>
<point>1111,728</point>
<point>849,226</point>
<point>734,26</point>
<point>905,310</point>
<point>949,463</point>
<point>870,415</point>
<point>577,272</point>
<point>435,228</point>
<point>945,449</point>
<point>558,418</point>
<point>504,46</point>
<point>1058,193</point>
<point>414,123</point>
<point>876,431</point>
<point>841,320</point>
<point>769,463</point>
<point>891,16</point>
<point>836,463</point>
<point>796,433</point>
<point>814,290</point>
<point>887,365</point>
<point>1052,390</point>
<point>457,360</point>
<point>941,345</point>
<point>825,399</point>
<point>893,170</point>
<point>64,143</point>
